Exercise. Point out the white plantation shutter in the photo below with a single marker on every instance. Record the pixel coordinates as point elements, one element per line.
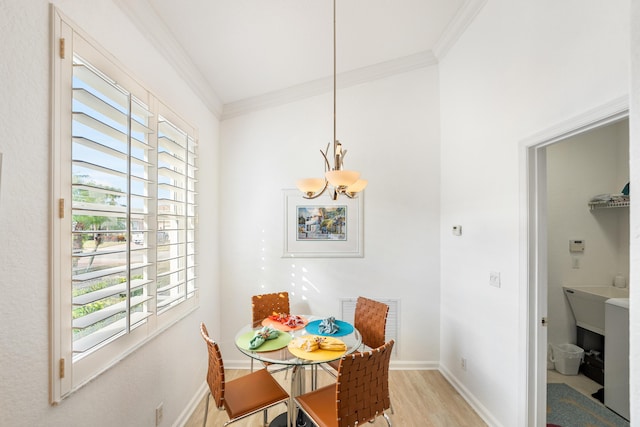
<point>124,179</point>
<point>110,198</point>
<point>176,215</point>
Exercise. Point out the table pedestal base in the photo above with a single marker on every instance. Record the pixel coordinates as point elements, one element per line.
<point>281,421</point>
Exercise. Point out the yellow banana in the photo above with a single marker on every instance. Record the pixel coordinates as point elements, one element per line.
<point>313,343</point>
<point>332,344</point>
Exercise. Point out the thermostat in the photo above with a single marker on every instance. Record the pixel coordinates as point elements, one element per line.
<point>576,246</point>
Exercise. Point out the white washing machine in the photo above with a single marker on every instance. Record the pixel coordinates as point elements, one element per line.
<point>616,356</point>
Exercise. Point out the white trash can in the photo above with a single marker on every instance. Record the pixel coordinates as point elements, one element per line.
<point>567,358</point>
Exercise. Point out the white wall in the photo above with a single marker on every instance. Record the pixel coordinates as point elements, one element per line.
<point>578,168</point>
<point>390,128</point>
<point>520,68</point>
<point>634,320</point>
<point>171,367</point>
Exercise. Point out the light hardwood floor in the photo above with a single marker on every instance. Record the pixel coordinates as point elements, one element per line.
<point>419,399</point>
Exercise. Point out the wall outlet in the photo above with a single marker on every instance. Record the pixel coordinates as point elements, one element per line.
<point>159,413</point>
<point>463,363</point>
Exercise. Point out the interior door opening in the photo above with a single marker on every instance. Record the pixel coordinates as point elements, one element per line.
<point>549,261</point>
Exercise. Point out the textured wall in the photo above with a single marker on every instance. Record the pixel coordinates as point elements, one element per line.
<point>170,368</point>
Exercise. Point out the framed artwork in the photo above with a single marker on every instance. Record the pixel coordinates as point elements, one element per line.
<point>322,227</point>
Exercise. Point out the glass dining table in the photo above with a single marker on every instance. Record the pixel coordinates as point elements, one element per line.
<point>285,350</point>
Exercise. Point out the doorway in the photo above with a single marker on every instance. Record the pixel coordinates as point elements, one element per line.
<point>587,246</point>
<point>537,244</point>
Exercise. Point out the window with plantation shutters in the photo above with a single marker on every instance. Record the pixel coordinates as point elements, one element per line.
<point>124,178</point>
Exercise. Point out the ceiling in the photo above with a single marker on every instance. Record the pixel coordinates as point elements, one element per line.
<point>236,51</point>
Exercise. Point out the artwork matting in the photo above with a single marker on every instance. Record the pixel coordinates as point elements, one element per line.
<point>322,227</point>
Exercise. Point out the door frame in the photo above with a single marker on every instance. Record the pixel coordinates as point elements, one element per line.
<point>533,253</point>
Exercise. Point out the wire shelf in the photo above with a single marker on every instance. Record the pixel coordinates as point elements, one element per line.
<point>608,204</point>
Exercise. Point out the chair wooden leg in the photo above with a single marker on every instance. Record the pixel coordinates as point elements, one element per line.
<point>206,410</point>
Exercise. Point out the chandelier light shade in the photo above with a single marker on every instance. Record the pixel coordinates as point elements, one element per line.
<point>342,178</point>
<point>311,186</point>
<point>357,186</point>
<point>342,181</point>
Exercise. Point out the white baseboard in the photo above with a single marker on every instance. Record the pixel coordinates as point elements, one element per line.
<point>416,365</point>
<point>413,365</point>
<point>480,409</point>
<point>192,405</point>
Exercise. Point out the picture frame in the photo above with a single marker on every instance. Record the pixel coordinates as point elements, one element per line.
<point>323,227</point>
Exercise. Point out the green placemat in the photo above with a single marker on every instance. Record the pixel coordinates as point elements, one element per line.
<point>269,345</point>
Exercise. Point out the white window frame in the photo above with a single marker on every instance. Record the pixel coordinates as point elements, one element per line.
<point>66,374</point>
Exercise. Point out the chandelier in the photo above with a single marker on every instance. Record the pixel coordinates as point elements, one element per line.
<point>342,181</point>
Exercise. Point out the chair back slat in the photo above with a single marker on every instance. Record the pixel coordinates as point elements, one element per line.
<point>265,305</point>
<point>215,373</point>
<point>370,320</point>
<point>362,389</point>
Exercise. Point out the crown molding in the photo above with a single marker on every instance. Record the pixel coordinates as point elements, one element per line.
<point>323,85</point>
<point>457,26</point>
<point>155,30</point>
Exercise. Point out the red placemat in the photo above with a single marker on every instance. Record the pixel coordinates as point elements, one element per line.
<point>276,324</point>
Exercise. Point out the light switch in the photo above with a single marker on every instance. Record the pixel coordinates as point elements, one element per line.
<point>457,230</point>
<point>494,279</point>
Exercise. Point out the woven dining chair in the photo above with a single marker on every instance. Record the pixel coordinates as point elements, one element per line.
<point>242,396</point>
<point>360,394</point>
<point>370,320</point>
<point>264,305</point>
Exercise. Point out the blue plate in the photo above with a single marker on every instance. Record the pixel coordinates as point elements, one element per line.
<point>344,328</point>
